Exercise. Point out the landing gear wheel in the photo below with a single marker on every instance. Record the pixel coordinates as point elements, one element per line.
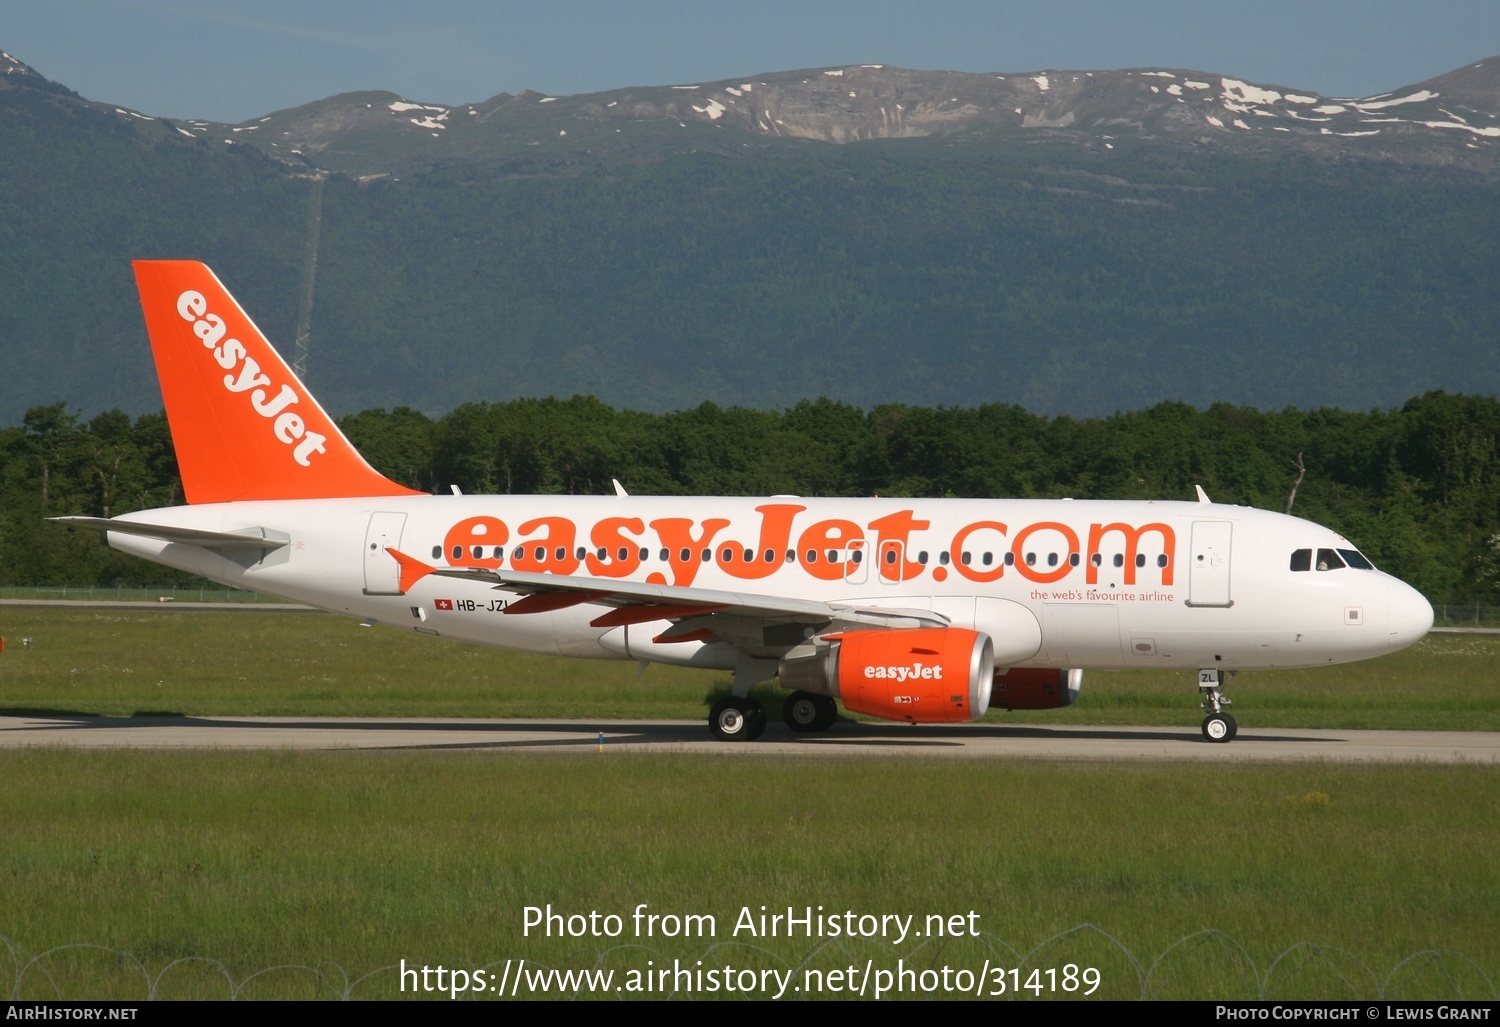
<point>1219,727</point>
<point>805,712</point>
<point>737,720</point>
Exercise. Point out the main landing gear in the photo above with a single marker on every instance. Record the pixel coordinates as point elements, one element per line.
<point>1218,726</point>
<point>739,718</point>
<point>807,712</point>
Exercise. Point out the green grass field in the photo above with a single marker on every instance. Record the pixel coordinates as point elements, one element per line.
<point>1318,880</point>
<point>118,662</point>
<point>193,874</point>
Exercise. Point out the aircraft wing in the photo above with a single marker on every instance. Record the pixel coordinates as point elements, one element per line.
<point>252,538</point>
<point>724,614</point>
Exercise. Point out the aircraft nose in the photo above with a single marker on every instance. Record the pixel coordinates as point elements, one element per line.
<point>1409,615</point>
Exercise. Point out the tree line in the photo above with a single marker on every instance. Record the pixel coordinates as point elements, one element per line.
<point>1416,488</point>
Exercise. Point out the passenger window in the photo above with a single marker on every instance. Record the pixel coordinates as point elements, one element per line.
<point>943,558</point>
<point>833,556</point>
<point>624,554</point>
<point>1119,560</point>
<point>499,553</point>
<point>645,554</point>
<point>1031,559</point>
<point>812,556</point>
<point>749,556</point>
<point>478,552</point>
<point>1302,560</point>
<point>706,555</point>
<point>665,556</point>
<point>1140,559</point>
<point>890,557</point>
<point>727,554</point>
<point>685,555</point>
<point>922,558</point>
<point>1051,559</point>
<point>1072,559</point>
<point>965,558</point>
<point>458,552</point>
<point>1096,560</point>
<point>437,552</point>
<point>770,556</point>
<point>1161,561</point>
<point>1010,559</point>
<point>578,553</point>
<point>987,559</point>
<point>520,552</point>
<point>858,556</point>
<point>603,553</point>
<point>791,556</point>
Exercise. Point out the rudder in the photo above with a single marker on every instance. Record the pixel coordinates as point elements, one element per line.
<point>243,425</point>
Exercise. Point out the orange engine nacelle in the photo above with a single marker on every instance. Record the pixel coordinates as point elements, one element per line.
<point>922,676</point>
<point>1036,688</point>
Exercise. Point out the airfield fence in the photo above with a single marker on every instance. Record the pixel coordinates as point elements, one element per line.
<point>205,593</point>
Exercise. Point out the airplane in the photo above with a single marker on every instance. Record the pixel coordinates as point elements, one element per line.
<point>912,610</point>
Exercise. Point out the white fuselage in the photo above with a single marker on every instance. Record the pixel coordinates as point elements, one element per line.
<point>1056,583</point>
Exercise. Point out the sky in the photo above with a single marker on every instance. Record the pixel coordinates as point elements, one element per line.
<point>232,61</point>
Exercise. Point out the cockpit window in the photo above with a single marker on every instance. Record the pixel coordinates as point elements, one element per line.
<point>1328,560</point>
<point>1354,558</point>
<point>1302,560</point>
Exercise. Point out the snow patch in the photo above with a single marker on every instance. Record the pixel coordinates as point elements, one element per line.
<point>746,87</point>
<point>1330,108</point>
<point>1174,89</point>
<point>1195,85</point>
<point>562,132</point>
<point>1156,89</point>
<point>1041,82</point>
<point>1417,97</point>
<point>1158,74</point>
<point>877,67</point>
<point>1493,132</point>
<point>191,136</point>
<point>835,74</point>
<point>1215,122</point>
<point>853,94</point>
<point>715,110</point>
<point>612,103</point>
<point>1240,124</point>
<point>1371,132</point>
<point>1246,93</point>
<point>402,106</point>
<point>1294,98</point>
<point>548,99</point>
<point>428,123</point>
<point>684,87</point>
<point>733,91</point>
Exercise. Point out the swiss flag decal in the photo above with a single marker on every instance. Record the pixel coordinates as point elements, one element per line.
<point>443,604</point>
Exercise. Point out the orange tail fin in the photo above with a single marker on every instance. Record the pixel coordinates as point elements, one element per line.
<point>244,427</point>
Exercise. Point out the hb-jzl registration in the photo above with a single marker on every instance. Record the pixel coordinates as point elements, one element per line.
<point>918,610</point>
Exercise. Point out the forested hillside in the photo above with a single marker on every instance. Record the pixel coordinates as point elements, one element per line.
<point>1418,488</point>
<point>952,270</point>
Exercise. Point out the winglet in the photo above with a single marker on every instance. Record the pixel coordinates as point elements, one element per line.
<point>243,426</point>
<point>412,569</point>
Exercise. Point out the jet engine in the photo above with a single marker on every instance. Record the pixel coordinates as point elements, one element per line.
<point>922,675</point>
<point>1036,688</point>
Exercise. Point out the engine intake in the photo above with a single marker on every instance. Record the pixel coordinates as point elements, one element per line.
<point>922,676</point>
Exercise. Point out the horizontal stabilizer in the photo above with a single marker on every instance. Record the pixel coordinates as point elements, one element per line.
<point>249,538</point>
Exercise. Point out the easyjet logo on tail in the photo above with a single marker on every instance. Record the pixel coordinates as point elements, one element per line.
<point>246,375</point>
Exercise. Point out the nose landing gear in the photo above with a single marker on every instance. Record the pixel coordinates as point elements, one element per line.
<point>1218,726</point>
